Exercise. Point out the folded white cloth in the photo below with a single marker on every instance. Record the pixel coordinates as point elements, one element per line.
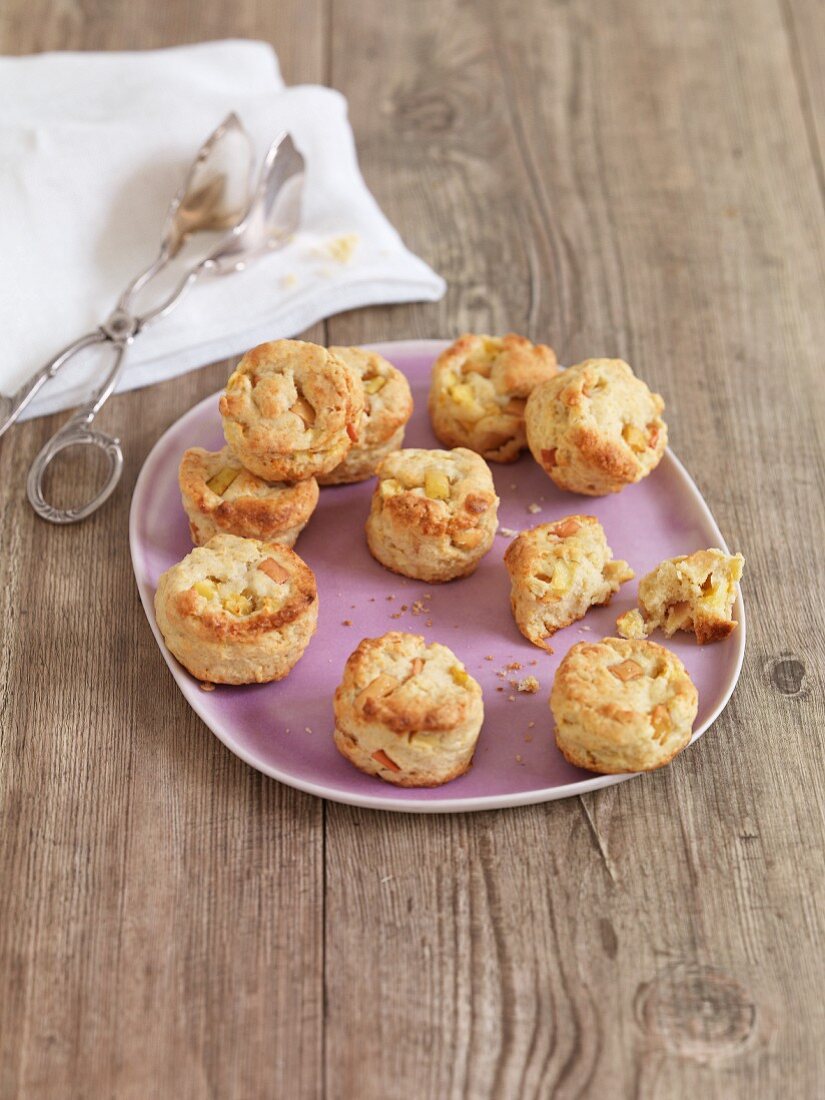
<point>92,149</point>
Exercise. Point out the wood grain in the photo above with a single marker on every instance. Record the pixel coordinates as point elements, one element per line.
<point>641,180</point>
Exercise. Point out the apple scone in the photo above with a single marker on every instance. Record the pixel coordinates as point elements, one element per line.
<point>695,593</point>
<point>407,712</point>
<point>237,611</point>
<point>219,495</point>
<point>622,706</point>
<point>291,410</point>
<point>596,427</point>
<point>479,388</point>
<point>433,513</point>
<point>557,572</point>
<point>388,405</point>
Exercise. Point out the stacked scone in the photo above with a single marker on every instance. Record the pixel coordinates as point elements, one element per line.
<point>241,608</point>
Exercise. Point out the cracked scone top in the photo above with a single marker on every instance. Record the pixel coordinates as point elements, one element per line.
<point>291,410</point>
<point>388,405</point>
<point>478,391</point>
<point>433,513</point>
<point>596,427</point>
<point>695,593</point>
<point>407,711</point>
<point>219,495</point>
<point>557,572</point>
<point>622,706</point>
<point>237,611</point>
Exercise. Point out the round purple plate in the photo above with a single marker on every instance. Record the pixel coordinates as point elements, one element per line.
<point>285,729</point>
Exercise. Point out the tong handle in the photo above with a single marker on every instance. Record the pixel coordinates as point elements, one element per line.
<point>78,431</point>
<point>12,407</point>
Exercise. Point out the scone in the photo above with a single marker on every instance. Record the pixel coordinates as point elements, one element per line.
<point>695,593</point>
<point>557,572</point>
<point>622,706</point>
<point>291,410</point>
<point>218,495</point>
<point>433,513</point>
<point>479,388</point>
<point>596,427</point>
<point>238,611</point>
<point>388,405</point>
<point>407,712</point>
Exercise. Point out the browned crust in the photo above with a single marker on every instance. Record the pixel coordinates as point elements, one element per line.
<point>401,716</point>
<point>409,510</point>
<point>220,626</point>
<point>713,630</point>
<point>248,517</point>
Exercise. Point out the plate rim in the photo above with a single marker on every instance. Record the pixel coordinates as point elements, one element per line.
<point>193,695</point>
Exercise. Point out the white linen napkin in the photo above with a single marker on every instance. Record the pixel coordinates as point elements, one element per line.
<point>92,149</point>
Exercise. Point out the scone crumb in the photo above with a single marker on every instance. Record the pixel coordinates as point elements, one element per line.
<point>534,508</point>
<point>418,608</point>
<point>511,698</point>
<point>403,607</point>
<point>529,684</point>
<point>518,758</point>
<point>513,666</point>
<point>346,622</point>
<point>206,686</point>
<point>307,729</point>
<point>499,688</point>
<point>530,725</point>
<point>429,622</point>
<point>507,532</point>
<point>342,248</point>
<point>489,657</point>
<point>528,737</point>
<point>397,615</point>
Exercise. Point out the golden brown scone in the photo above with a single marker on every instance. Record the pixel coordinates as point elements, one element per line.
<point>596,427</point>
<point>291,410</point>
<point>557,572</point>
<point>238,611</point>
<point>407,712</point>
<point>622,706</point>
<point>433,514</point>
<point>388,405</point>
<point>695,593</point>
<point>479,388</point>
<point>218,495</point>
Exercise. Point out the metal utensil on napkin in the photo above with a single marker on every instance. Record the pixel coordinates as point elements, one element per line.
<point>217,195</point>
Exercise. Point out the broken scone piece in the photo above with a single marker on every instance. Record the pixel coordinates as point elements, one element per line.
<point>407,712</point>
<point>557,572</point>
<point>219,495</point>
<point>433,513</point>
<point>622,706</point>
<point>237,611</point>
<point>479,388</point>
<point>695,593</point>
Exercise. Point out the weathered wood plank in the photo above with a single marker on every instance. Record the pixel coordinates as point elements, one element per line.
<point>161,904</point>
<point>659,937</point>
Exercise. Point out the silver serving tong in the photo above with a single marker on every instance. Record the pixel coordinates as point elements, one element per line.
<point>216,195</point>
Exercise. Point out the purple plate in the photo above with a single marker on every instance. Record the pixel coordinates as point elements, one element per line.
<point>285,729</point>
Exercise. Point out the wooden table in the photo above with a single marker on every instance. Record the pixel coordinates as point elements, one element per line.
<point>639,179</point>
